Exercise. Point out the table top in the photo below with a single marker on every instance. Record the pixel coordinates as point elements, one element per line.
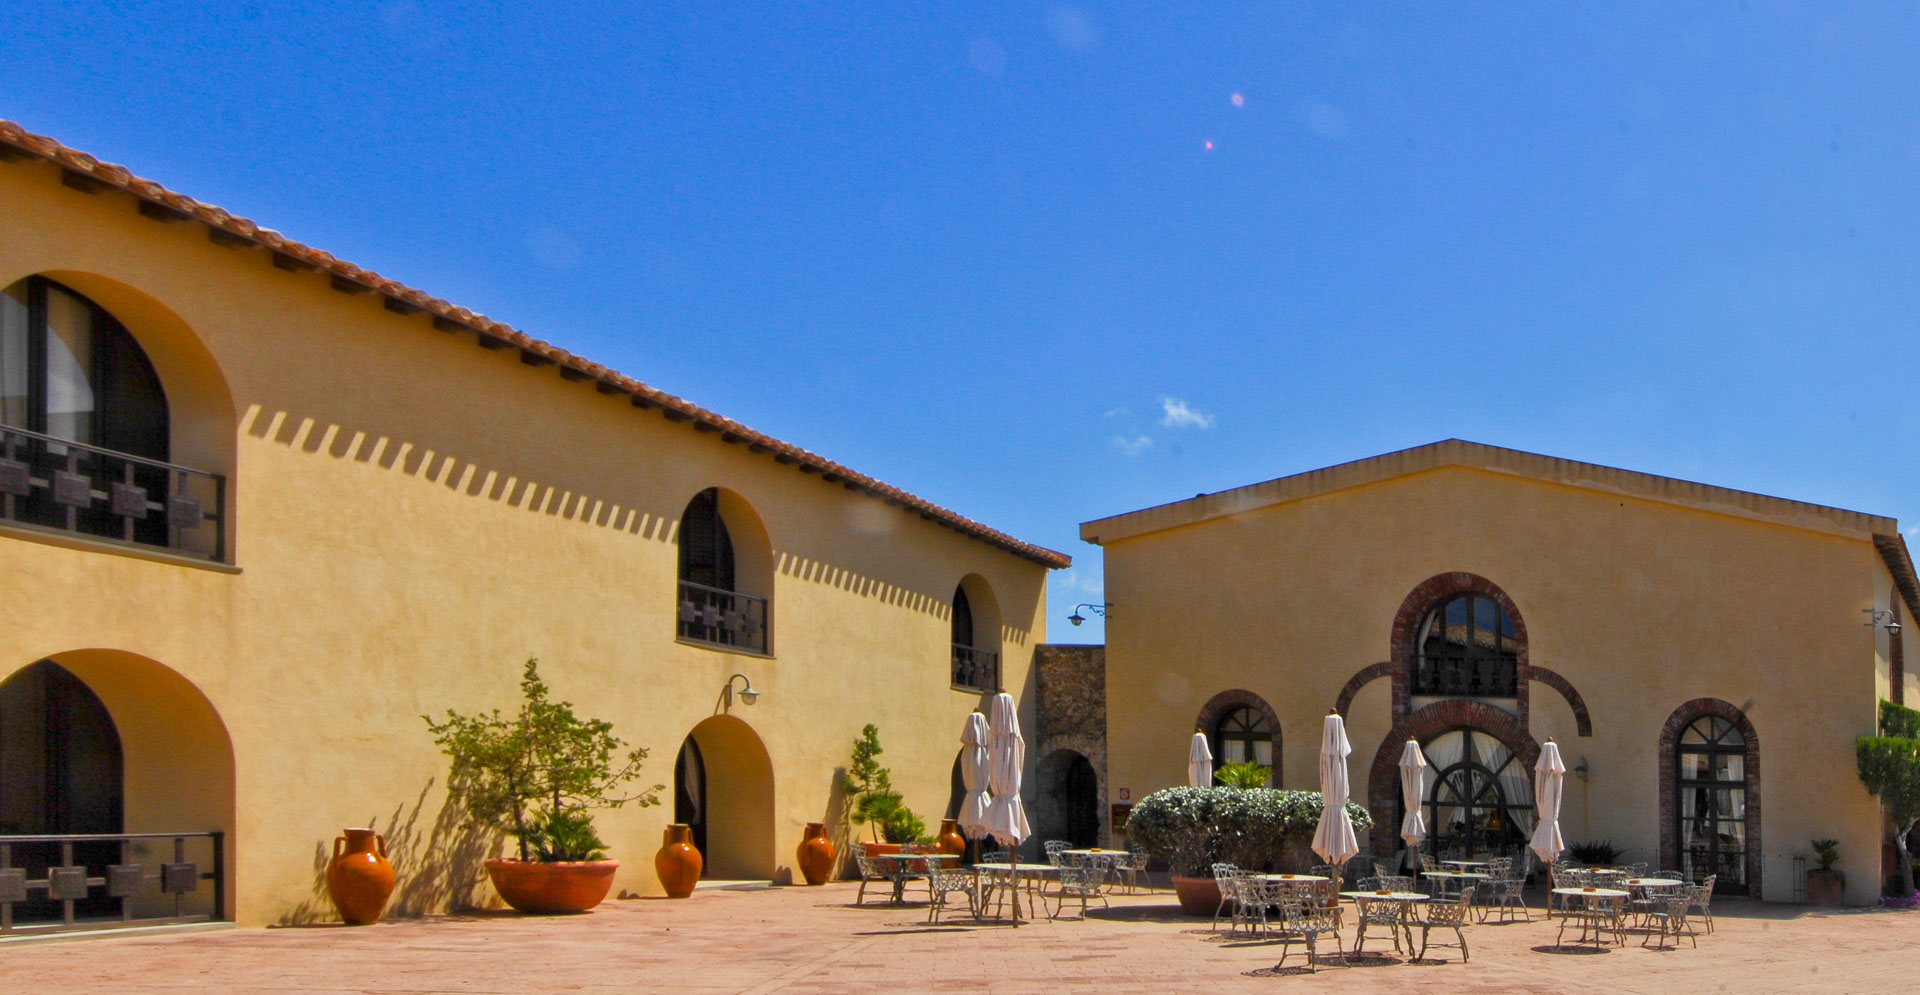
<point>914,856</point>
<point>1023,868</point>
<point>1467,863</point>
<point>1291,877</point>
<point>1596,892</point>
<point>1655,882</point>
<point>1098,853</point>
<point>1398,896</point>
<point>1456,874</point>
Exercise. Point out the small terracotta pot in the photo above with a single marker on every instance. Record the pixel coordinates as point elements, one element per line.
<point>552,889</point>
<point>678,863</point>
<point>950,839</point>
<point>1826,888</point>
<point>1198,896</point>
<point>815,855</point>
<point>359,878</point>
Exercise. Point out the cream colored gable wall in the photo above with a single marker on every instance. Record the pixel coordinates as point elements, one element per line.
<point>1641,605</point>
<point>415,516</point>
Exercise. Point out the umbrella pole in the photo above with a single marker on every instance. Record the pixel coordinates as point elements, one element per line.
<point>1013,856</point>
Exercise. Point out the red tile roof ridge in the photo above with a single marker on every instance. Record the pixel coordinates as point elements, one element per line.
<point>117,176</point>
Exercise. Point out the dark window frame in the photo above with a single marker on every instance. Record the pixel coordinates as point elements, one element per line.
<point>1465,667</point>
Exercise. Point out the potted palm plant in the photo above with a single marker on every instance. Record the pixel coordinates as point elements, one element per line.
<point>536,776</point>
<point>1825,884</point>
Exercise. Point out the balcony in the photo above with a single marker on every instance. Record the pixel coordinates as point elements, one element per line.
<point>724,618</point>
<point>56,884</point>
<point>1464,676</point>
<point>62,486</point>
<point>975,669</point>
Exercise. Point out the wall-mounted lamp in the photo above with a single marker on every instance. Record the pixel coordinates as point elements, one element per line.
<point>1100,610</point>
<point>747,693</point>
<point>1882,617</point>
<point>1580,769</point>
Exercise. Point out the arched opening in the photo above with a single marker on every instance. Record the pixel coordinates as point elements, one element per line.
<point>1066,804</point>
<point>113,421</point>
<point>1710,782</point>
<point>1467,647</point>
<point>724,770</point>
<point>725,572</point>
<point>105,741</point>
<point>1480,796</point>
<point>975,627</point>
<point>1240,725</point>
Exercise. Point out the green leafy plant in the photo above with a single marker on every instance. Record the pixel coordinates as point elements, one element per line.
<point>1244,774</point>
<point>1595,853</point>
<point>1890,768</point>
<point>1191,828</point>
<point>1826,853</point>
<point>536,775</point>
<point>874,802</point>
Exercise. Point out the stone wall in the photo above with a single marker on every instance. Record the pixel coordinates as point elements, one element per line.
<point>1070,714</point>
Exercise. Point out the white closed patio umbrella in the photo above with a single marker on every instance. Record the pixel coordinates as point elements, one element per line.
<point>1413,788</point>
<point>1548,774</point>
<point>1006,818</point>
<point>1199,761</point>
<point>1333,838</point>
<point>974,774</point>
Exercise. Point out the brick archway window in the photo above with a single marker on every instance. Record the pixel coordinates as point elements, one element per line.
<point>1241,735</point>
<point>1467,647</point>
<point>1710,795</point>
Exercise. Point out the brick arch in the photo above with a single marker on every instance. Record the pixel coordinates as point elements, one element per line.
<point>1583,723</point>
<point>1414,608</point>
<point>1383,781</point>
<point>1220,704</point>
<point>1669,778</point>
<point>1361,678</point>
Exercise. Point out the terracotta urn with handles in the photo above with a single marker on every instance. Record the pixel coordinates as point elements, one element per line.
<point>950,839</point>
<point>359,877</point>
<point>678,863</point>
<point>815,854</point>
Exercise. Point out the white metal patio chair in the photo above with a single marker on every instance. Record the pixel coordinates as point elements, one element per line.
<point>1670,916</point>
<point>1307,922</point>
<point>1223,879</point>
<point>1082,882</point>
<point>944,881</point>
<point>1451,914</point>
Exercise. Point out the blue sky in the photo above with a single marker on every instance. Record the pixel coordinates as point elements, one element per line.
<point>1043,263</point>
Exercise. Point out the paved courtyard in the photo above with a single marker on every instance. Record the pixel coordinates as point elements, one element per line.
<point>814,940</point>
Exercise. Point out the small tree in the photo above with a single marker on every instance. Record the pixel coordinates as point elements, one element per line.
<point>874,801</point>
<point>535,776</point>
<point>1244,775</point>
<point>1890,768</point>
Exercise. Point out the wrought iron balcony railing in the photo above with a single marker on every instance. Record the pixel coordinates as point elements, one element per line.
<point>724,618</point>
<point>54,884</point>
<point>53,483</point>
<point>1464,676</point>
<point>975,669</point>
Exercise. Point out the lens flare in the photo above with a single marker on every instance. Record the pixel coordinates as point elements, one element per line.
<point>1209,146</point>
<point>1239,100</point>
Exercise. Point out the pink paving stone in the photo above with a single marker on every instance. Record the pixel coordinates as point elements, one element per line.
<point>798,940</point>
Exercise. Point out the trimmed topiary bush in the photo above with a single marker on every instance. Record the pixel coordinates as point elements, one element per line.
<point>1192,828</point>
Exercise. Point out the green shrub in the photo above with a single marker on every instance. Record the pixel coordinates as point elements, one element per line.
<point>1245,774</point>
<point>1898,721</point>
<point>1595,853</point>
<point>1191,828</point>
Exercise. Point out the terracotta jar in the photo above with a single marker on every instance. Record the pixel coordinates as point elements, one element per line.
<point>359,878</point>
<point>950,839</point>
<point>678,863</point>
<point>815,855</point>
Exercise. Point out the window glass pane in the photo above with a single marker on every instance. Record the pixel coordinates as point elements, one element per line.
<point>13,356</point>
<point>1695,733</point>
<point>1730,803</point>
<point>1693,766</point>
<point>1730,734</point>
<point>1263,752</point>
<point>69,365</point>
<point>1730,767</point>
<point>1484,625</point>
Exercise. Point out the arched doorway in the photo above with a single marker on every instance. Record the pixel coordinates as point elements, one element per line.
<point>1066,805</point>
<point>60,773</point>
<point>1480,799</point>
<point>1709,759</point>
<point>725,778</point>
<point>106,741</point>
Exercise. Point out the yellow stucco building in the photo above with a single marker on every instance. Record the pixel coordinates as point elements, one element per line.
<point>261,510</point>
<point>1705,657</point>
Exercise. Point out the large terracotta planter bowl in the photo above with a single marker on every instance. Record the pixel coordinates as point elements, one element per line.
<point>1198,896</point>
<point>552,889</point>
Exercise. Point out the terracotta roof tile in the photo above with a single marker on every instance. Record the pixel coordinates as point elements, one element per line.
<point>12,136</point>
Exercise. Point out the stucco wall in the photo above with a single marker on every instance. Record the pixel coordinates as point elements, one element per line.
<point>1640,605</point>
<point>414,517</point>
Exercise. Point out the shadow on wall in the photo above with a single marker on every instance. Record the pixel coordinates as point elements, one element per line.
<point>440,867</point>
<point>469,476</point>
<point>839,829</point>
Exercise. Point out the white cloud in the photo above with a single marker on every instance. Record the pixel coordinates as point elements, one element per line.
<point>1114,412</point>
<point>1076,581</point>
<point>1132,447</point>
<point>1179,415</point>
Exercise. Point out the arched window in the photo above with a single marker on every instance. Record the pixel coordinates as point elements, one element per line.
<point>712,610</point>
<point>975,667</point>
<point>1481,799</point>
<point>70,372</point>
<point>1466,647</point>
<point>1241,735</point>
<point>1710,778</point>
